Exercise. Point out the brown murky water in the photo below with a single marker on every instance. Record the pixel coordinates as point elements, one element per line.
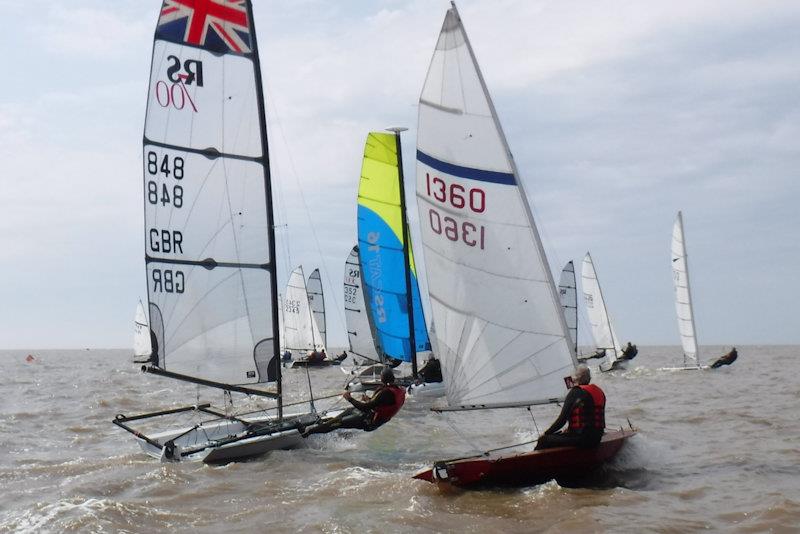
<point>718,451</point>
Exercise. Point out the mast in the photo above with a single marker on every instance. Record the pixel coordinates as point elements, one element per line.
<point>526,204</point>
<point>406,253</point>
<point>270,216</point>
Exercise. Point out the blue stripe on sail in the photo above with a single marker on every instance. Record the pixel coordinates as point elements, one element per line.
<point>383,283</point>
<point>466,172</point>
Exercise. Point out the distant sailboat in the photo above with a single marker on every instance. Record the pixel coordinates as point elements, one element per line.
<point>683,297</point>
<point>209,228</point>
<point>142,349</point>
<point>568,292</point>
<point>500,330</point>
<point>316,298</point>
<point>302,333</point>
<point>359,334</point>
<point>605,339</point>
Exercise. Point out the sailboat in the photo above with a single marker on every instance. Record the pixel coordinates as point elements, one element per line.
<point>302,333</point>
<point>210,244</point>
<point>316,299</point>
<point>359,333</point>
<point>568,293</point>
<point>388,271</point>
<point>605,339</point>
<point>683,298</point>
<point>142,348</point>
<point>500,331</point>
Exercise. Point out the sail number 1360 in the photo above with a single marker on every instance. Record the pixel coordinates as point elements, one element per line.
<point>456,196</point>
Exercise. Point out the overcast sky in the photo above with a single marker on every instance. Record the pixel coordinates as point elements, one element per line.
<point>619,113</point>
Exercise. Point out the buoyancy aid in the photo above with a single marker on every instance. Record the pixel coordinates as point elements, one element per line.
<point>385,412</point>
<point>579,419</point>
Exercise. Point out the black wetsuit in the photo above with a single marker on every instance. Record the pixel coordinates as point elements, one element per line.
<point>629,353</point>
<point>726,360</point>
<point>432,371</point>
<point>586,437</point>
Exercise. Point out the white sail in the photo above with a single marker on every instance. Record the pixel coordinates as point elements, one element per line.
<point>210,269</point>
<point>500,332</point>
<point>683,293</point>
<point>142,349</point>
<point>355,313</point>
<point>599,319</point>
<point>302,333</point>
<point>568,291</point>
<point>316,300</point>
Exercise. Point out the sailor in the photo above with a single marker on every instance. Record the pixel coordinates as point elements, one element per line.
<point>342,356</point>
<point>629,352</point>
<point>368,414</point>
<point>431,372</point>
<point>583,410</point>
<point>727,359</point>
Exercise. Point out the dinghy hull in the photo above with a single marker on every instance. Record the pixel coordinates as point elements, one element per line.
<point>567,465</point>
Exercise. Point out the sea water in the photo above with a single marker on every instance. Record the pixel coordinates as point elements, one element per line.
<point>716,451</point>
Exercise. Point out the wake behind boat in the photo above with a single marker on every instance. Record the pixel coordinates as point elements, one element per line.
<point>500,331</point>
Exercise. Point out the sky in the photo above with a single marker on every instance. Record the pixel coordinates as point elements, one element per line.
<point>618,113</point>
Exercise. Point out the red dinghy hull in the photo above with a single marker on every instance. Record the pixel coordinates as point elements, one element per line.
<point>567,464</point>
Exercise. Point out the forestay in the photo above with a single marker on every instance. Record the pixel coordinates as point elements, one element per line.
<point>683,294</point>
<point>210,269</point>
<point>316,300</point>
<point>301,331</point>
<point>381,255</point>
<point>568,291</point>
<point>358,329</point>
<point>602,330</point>
<point>500,332</point>
<point>142,348</point>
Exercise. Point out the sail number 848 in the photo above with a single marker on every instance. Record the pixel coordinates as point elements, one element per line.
<point>164,167</point>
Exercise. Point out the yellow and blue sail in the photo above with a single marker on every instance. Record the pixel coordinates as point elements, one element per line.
<point>380,245</point>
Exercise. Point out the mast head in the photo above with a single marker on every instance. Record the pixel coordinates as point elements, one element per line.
<point>396,129</point>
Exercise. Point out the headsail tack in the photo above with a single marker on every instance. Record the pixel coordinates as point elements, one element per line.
<point>358,329</point>
<point>599,319</point>
<point>683,293</point>
<point>501,334</point>
<point>382,259</point>
<point>208,216</point>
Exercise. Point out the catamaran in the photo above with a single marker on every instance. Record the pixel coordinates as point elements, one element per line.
<point>607,344</point>
<point>683,298</point>
<point>210,244</point>
<point>500,331</point>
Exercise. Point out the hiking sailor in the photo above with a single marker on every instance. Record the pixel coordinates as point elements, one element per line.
<point>431,372</point>
<point>629,352</point>
<point>727,359</point>
<point>370,413</point>
<point>583,410</point>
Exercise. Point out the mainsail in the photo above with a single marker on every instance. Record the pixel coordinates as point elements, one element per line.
<point>500,331</point>
<point>602,331</point>
<point>355,313</point>
<point>381,254</point>
<point>142,348</point>
<point>316,300</point>
<point>683,293</point>
<point>568,291</point>
<point>301,331</point>
<point>208,208</point>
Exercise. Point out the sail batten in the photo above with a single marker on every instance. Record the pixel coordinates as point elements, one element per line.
<point>500,332</point>
<point>683,294</point>
<point>208,216</point>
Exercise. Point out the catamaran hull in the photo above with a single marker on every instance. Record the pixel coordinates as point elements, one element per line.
<point>427,390</point>
<point>685,368</point>
<point>567,465</point>
<point>304,363</point>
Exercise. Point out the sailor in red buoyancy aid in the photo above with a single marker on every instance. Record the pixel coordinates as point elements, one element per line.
<point>368,414</point>
<point>583,411</point>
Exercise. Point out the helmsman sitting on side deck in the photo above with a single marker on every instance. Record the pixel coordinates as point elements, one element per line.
<point>369,414</point>
<point>584,409</point>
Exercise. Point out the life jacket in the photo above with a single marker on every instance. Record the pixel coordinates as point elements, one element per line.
<point>385,412</point>
<point>579,419</point>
